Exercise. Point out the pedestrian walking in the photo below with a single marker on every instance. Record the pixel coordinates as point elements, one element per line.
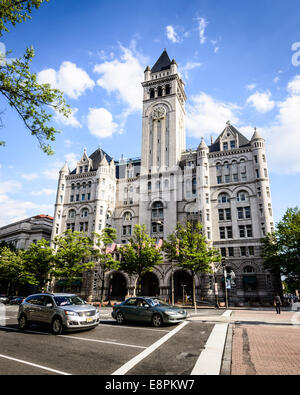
<point>277,303</point>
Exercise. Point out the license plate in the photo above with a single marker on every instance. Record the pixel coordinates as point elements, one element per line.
<point>89,319</point>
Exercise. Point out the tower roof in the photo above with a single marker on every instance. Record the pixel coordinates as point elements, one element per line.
<point>202,144</point>
<point>256,135</point>
<point>162,63</point>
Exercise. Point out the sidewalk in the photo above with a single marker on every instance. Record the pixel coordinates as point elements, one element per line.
<point>265,343</point>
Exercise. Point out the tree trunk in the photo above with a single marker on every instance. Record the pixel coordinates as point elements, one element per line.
<point>194,292</point>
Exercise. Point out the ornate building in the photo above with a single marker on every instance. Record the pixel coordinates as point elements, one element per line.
<point>224,185</point>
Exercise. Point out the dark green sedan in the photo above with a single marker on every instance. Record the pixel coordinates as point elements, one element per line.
<point>144,309</point>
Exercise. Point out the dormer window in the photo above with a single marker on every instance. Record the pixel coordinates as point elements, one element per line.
<point>232,144</point>
<point>225,146</point>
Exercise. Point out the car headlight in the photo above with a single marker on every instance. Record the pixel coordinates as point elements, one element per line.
<point>170,312</point>
<point>70,312</point>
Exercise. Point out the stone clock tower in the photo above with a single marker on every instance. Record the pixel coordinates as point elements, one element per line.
<point>163,138</point>
<point>163,141</point>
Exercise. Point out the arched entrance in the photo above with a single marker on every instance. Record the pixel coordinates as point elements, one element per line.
<point>183,284</point>
<point>117,286</point>
<point>149,285</point>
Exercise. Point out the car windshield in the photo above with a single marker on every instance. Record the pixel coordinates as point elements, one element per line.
<point>157,302</point>
<point>68,300</point>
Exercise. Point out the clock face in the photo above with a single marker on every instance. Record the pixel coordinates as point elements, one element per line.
<point>158,112</point>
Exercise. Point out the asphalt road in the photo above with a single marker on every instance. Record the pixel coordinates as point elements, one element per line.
<point>130,349</point>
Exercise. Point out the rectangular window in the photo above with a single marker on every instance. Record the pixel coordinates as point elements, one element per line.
<point>242,230</point>
<point>247,212</point>
<point>240,213</point>
<point>230,251</point>
<point>225,146</point>
<point>72,198</point>
<point>257,173</point>
<point>249,230</point>
<point>251,250</point>
<point>243,251</point>
<point>228,214</point>
<point>88,196</point>
<point>222,233</point>
<point>232,144</point>
<point>219,179</point>
<point>221,215</point>
<point>255,158</point>
<point>77,198</point>
<point>227,178</point>
<point>235,177</point>
<point>223,251</point>
<point>83,196</point>
<point>229,232</point>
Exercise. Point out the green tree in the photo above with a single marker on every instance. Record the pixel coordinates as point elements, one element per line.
<point>39,260</point>
<point>105,254</point>
<point>19,86</point>
<point>74,255</point>
<point>14,271</point>
<point>188,248</point>
<point>140,255</point>
<point>281,249</point>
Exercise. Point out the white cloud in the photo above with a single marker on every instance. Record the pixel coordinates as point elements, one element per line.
<point>202,25</point>
<point>216,49</point>
<point>52,170</point>
<point>16,210</point>
<point>30,176</point>
<point>100,122</point>
<point>70,79</point>
<point>261,101</point>
<point>276,79</point>
<point>44,191</point>
<point>206,116</point>
<point>171,34</point>
<point>189,66</point>
<point>123,76</point>
<point>250,87</point>
<point>294,85</point>
<point>9,186</point>
<point>282,136</point>
<point>68,121</point>
<point>72,159</point>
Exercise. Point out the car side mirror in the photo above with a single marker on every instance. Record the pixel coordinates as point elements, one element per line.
<point>49,305</point>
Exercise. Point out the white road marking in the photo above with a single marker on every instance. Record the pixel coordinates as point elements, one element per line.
<point>134,361</point>
<point>35,365</point>
<point>134,327</point>
<point>210,359</point>
<point>101,341</point>
<point>226,313</point>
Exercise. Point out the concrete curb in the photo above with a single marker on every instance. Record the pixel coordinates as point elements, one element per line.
<point>227,355</point>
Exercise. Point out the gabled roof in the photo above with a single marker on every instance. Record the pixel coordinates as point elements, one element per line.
<point>243,141</point>
<point>96,157</point>
<point>162,63</point>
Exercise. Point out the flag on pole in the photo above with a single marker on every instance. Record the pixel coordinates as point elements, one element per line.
<point>110,248</point>
<point>158,244</point>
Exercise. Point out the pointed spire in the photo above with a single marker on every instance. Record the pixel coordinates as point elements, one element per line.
<point>202,144</point>
<point>162,63</point>
<point>256,135</point>
<point>65,168</point>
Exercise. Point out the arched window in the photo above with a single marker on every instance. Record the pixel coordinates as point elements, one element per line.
<point>151,93</point>
<point>72,214</point>
<point>242,196</point>
<point>168,89</point>
<point>157,210</point>
<point>127,216</point>
<point>84,213</point>
<point>159,91</point>
<point>223,198</point>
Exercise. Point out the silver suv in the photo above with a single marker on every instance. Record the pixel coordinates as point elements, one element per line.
<point>61,310</point>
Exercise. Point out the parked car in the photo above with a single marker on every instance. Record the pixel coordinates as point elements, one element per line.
<point>61,311</point>
<point>4,299</point>
<point>146,309</point>
<point>17,300</point>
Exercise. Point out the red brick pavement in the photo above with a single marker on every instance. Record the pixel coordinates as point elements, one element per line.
<point>265,349</point>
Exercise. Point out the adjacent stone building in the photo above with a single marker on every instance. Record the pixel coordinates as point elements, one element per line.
<point>22,233</point>
<point>225,185</point>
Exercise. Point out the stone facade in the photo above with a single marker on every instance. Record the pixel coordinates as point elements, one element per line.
<point>22,233</point>
<point>225,185</point>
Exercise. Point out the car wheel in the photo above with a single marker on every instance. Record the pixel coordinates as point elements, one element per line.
<point>23,323</point>
<point>56,326</point>
<point>157,320</point>
<point>120,318</point>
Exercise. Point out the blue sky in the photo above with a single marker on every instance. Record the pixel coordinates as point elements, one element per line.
<point>235,57</point>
